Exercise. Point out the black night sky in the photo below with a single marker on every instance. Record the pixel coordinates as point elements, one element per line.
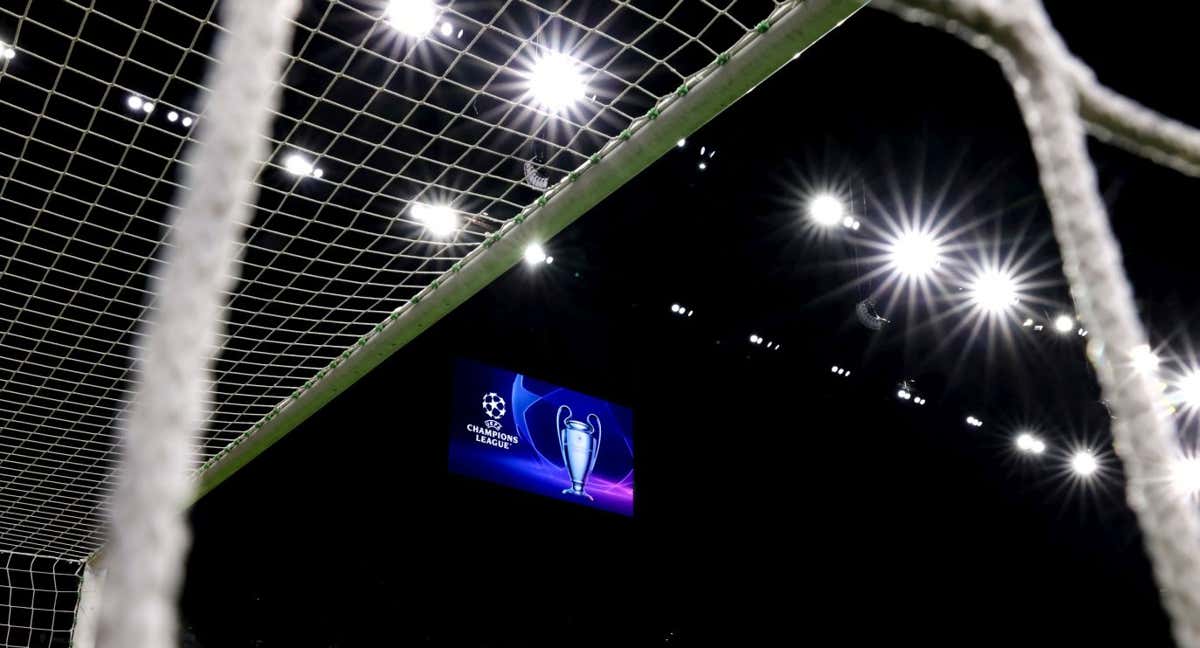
<point>777,503</point>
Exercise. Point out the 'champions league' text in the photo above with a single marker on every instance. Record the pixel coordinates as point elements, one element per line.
<point>492,437</point>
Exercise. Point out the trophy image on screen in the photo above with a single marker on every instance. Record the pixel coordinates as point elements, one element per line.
<point>580,443</point>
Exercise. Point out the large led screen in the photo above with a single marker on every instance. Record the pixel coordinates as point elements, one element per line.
<point>518,431</point>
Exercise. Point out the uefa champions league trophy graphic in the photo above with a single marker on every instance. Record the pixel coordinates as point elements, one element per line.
<point>580,444</point>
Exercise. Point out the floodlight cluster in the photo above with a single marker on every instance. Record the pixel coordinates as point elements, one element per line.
<point>759,340</point>
<point>841,371</point>
<point>1029,443</point>
<point>974,422</point>
<point>139,104</point>
<point>682,311</point>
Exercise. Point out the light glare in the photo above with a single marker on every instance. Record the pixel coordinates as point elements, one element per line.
<point>994,292</point>
<point>915,254</point>
<point>438,219</point>
<point>412,17</point>
<point>297,164</point>
<point>826,210</point>
<point>1084,463</point>
<point>534,254</point>
<point>1064,323</point>
<point>1144,359</point>
<point>1187,389</point>
<point>555,81</point>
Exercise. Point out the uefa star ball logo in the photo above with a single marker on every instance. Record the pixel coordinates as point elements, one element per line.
<point>493,405</point>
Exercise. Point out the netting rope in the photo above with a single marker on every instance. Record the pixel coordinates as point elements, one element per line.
<point>149,535</point>
<point>1056,92</point>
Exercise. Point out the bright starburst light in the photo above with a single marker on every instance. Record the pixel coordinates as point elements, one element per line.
<point>555,81</point>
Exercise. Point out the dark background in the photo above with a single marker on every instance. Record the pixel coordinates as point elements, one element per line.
<point>776,502</point>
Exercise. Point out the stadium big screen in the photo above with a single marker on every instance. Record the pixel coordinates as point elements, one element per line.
<point>518,431</point>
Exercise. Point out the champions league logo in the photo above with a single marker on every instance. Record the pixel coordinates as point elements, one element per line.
<point>494,408</point>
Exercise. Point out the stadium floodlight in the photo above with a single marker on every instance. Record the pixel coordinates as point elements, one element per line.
<point>833,369</point>
<point>1064,323</point>
<point>826,209</point>
<point>6,51</point>
<point>702,166</point>
<point>1084,463</point>
<point>675,308</point>
<point>438,219</point>
<point>412,17</point>
<point>186,121</point>
<point>318,173</point>
<point>172,116</point>
<point>1187,389</point>
<point>1030,444</point>
<point>298,165</point>
<point>134,102</point>
<point>148,107</point>
<point>555,81</point>
<point>994,292</point>
<point>447,28</point>
<point>681,143</point>
<point>915,254</point>
<point>534,254</point>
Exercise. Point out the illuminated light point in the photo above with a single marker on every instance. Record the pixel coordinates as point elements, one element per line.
<point>915,254</point>
<point>1082,332</point>
<point>412,17</point>
<point>675,308</point>
<point>1144,359</point>
<point>994,292</point>
<point>438,219</point>
<point>1028,322</point>
<point>754,339</point>
<point>1185,476</point>
<point>297,164</point>
<point>148,107</point>
<point>534,255</point>
<point>690,311</point>
<point>681,143</point>
<point>1084,463</point>
<point>550,260</point>
<point>318,173</point>
<point>134,102</point>
<point>187,121</point>
<point>555,81</point>
<point>1064,323</point>
<point>834,369</point>
<point>1029,443</point>
<point>974,422</point>
<point>826,210</point>
<point>7,52</point>
<point>702,166</point>
<point>447,28</point>
<point>1187,390</point>
<point>172,116</point>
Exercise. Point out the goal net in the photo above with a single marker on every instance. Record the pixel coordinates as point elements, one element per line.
<point>415,148</point>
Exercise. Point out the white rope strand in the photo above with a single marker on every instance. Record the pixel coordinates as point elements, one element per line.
<point>149,537</point>
<point>1055,93</point>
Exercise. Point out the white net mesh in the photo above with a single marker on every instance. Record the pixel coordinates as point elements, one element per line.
<point>98,102</point>
<point>37,600</point>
